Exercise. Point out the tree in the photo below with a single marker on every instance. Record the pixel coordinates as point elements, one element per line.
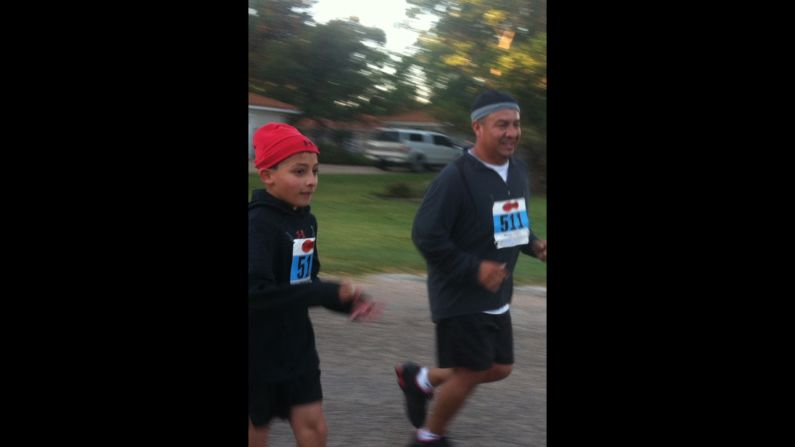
<point>477,44</point>
<point>272,21</point>
<point>333,70</point>
<point>397,91</point>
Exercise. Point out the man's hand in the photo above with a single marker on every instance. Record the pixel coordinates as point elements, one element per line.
<point>540,249</point>
<point>491,274</point>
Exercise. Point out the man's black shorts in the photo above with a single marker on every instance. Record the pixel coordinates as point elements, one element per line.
<point>474,341</point>
<point>276,399</point>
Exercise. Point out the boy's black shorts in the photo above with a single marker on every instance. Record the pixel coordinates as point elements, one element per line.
<point>474,341</point>
<point>276,399</point>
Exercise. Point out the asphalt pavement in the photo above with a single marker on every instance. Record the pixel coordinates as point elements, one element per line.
<point>362,402</point>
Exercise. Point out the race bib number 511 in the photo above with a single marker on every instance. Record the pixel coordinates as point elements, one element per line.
<point>301,270</point>
<point>511,224</point>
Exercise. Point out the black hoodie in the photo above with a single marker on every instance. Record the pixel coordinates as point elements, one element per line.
<point>454,231</point>
<point>281,338</point>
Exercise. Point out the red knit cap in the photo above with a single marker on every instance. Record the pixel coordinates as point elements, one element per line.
<point>274,142</point>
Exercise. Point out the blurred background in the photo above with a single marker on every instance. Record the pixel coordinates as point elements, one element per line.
<point>340,70</point>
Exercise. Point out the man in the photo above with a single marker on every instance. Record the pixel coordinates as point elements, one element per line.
<point>470,228</point>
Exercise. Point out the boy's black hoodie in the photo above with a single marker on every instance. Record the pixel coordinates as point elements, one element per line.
<point>281,338</point>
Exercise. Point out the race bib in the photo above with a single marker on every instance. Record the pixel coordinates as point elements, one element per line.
<point>301,270</point>
<point>511,224</point>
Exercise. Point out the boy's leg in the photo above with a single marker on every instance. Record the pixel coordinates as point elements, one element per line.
<point>309,424</point>
<point>257,436</point>
<point>306,410</point>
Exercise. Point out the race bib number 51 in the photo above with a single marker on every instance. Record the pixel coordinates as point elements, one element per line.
<point>301,270</point>
<point>511,224</point>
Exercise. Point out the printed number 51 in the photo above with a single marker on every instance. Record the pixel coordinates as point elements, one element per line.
<point>303,267</point>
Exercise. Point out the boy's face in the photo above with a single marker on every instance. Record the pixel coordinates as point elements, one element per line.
<point>294,179</point>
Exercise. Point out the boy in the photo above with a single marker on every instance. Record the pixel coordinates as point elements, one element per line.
<point>284,374</point>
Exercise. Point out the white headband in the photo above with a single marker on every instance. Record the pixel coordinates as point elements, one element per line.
<point>485,110</point>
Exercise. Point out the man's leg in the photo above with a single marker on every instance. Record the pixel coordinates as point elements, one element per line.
<point>498,372</point>
<point>438,376</point>
<point>467,342</point>
<point>418,386</point>
<point>417,383</point>
<point>452,395</point>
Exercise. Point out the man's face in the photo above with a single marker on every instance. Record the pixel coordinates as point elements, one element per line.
<point>294,180</point>
<point>499,133</point>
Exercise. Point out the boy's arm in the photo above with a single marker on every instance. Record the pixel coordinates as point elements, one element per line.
<point>274,297</point>
<point>264,291</point>
<point>350,300</point>
<point>332,303</point>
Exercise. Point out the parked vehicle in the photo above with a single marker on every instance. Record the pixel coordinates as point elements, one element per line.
<point>416,149</point>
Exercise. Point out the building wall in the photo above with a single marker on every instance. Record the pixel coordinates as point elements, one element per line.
<point>259,118</point>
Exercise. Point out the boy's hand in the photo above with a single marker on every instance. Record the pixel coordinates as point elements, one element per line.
<point>348,292</point>
<point>366,310</point>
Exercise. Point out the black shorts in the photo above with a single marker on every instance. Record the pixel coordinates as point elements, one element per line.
<point>275,399</point>
<point>474,341</point>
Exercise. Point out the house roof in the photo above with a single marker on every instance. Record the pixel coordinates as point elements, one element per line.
<point>363,122</point>
<point>411,117</point>
<point>366,122</point>
<point>270,103</point>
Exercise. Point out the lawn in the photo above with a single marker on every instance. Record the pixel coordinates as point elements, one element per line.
<point>362,233</point>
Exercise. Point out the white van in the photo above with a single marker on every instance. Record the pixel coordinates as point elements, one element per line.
<point>417,149</point>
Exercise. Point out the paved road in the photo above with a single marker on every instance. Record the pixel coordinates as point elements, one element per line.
<point>363,404</point>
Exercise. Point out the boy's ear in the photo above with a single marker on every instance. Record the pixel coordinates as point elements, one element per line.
<point>266,176</point>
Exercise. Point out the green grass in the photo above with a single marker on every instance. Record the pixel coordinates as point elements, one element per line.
<point>362,233</point>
